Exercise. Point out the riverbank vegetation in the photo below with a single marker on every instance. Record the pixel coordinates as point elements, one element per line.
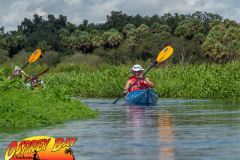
<point>24,107</point>
<point>192,81</point>
<point>93,60</point>
<point>196,38</point>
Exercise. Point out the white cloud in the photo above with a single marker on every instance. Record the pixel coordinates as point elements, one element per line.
<point>13,12</point>
<point>40,12</point>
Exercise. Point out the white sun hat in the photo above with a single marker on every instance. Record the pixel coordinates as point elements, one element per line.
<point>137,67</point>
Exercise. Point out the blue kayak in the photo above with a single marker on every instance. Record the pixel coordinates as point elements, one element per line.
<point>143,96</point>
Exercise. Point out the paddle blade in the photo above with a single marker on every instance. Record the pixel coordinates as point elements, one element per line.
<point>165,53</point>
<point>35,55</point>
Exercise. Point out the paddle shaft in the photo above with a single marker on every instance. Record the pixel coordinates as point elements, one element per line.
<point>136,81</point>
<point>25,66</point>
<point>39,74</point>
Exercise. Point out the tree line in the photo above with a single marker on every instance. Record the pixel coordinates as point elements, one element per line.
<point>196,38</point>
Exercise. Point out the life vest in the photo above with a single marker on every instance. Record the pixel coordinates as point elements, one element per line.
<point>37,85</point>
<point>141,84</point>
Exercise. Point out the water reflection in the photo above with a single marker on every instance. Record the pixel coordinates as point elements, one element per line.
<point>166,135</point>
<point>139,119</point>
<point>142,121</point>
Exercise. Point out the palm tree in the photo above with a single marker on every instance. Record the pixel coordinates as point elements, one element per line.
<point>113,31</point>
<point>218,28</point>
<point>217,35</point>
<point>97,41</point>
<point>199,38</point>
<point>143,28</point>
<point>196,25</point>
<point>230,23</point>
<point>115,38</point>
<point>156,27</point>
<point>76,33</point>
<point>72,42</point>
<point>64,42</point>
<point>231,34</point>
<point>145,34</point>
<point>70,151</point>
<point>130,42</point>
<point>156,35</point>
<point>218,53</point>
<point>94,33</point>
<point>165,35</point>
<point>233,50</point>
<point>133,33</point>
<point>85,42</point>
<point>182,30</point>
<point>215,22</point>
<point>10,42</point>
<point>208,46</point>
<point>63,33</point>
<point>127,28</point>
<point>85,33</point>
<point>105,37</point>
<point>184,22</point>
<point>165,28</point>
<point>2,44</point>
<point>43,46</point>
<point>21,41</point>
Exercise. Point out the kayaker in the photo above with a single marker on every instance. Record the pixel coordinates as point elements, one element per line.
<point>143,83</point>
<point>17,71</point>
<point>35,83</point>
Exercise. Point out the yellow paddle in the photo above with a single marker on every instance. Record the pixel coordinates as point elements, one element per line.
<point>35,55</point>
<point>163,55</point>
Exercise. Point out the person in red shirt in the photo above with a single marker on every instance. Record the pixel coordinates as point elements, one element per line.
<point>143,83</point>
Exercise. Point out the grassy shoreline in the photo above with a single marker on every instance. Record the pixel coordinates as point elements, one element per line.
<point>24,107</point>
<point>192,81</point>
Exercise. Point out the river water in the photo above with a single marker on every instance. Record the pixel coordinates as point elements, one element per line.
<point>175,129</point>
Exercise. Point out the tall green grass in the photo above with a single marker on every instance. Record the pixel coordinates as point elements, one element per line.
<point>204,81</point>
<point>105,80</point>
<point>80,67</point>
<point>24,107</point>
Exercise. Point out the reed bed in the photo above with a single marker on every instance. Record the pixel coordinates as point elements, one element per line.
<point>192,81</point>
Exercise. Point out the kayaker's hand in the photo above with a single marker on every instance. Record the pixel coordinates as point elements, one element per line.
<point>141,76</point>
<point>125,91</point>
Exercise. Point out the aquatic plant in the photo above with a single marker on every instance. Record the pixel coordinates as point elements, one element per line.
<point>24,107</point>
<point>192,81</point>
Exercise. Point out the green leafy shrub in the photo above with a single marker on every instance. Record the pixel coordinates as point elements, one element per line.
<point>24,107</point>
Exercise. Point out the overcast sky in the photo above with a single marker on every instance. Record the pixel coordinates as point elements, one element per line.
<point>13,12</point>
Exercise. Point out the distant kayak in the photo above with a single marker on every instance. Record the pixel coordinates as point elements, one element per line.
<point>143,96</point>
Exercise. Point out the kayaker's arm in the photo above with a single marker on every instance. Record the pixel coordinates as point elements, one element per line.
<point>127,85</point>
<point>149,82</point>
<point>25,75</point>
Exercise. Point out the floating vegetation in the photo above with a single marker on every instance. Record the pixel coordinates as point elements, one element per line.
<point>24,107</point>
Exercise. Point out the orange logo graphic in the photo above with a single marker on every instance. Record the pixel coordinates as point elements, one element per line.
<point>41,148</point>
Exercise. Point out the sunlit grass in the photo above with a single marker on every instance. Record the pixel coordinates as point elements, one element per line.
<point>24,107</point>
<point>105,80</point>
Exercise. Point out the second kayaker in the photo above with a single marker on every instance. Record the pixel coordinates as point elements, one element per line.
<point>35,83</point>
<point>143,83</point>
